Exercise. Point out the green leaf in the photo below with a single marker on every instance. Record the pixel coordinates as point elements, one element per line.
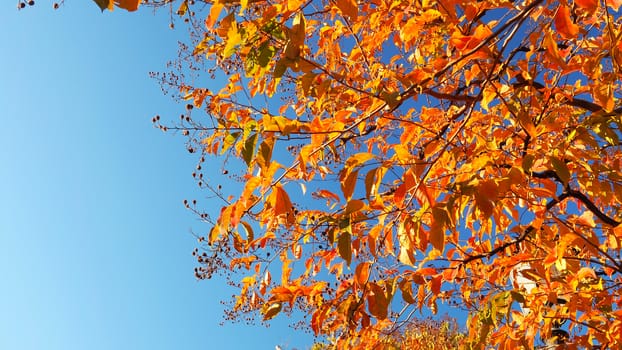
<point>265,152</point>
<point>281,67</point>
<point>249,149</point>
<point>517,296</point>
<point>344,246</point>
<point>561,169</point>
<point>266,53</point>
<point>528,163</point>
<point>229,141</point>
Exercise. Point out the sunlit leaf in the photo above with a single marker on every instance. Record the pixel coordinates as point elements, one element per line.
<point>234,38</point>
<point>271,310</point>
<point>564,24</point>
<point>348,8</point>
<point>361,273</point>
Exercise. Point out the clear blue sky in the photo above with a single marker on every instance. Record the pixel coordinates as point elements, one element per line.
<point>95,245</point>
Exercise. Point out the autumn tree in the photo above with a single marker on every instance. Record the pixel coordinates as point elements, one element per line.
<point>420,334</point>
<point>398,156</point>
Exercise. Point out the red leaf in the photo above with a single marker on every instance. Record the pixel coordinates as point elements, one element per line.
<point>589,5</point>
<point>564,24</point>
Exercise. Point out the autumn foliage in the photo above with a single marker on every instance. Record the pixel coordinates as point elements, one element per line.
<point>397,156</point>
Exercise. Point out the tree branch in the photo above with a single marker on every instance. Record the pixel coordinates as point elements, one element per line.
<point>520,238</point>
<point>592,207</point>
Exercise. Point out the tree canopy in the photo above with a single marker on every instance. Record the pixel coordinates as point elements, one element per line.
<point>396,156</point>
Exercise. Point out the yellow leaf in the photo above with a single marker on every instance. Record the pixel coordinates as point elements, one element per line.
<point>587,219</point>
<point>488,95</point>
<point>233,40</point>
<point>183,8</point>
<point>271,310</point>
<point>586,273</point>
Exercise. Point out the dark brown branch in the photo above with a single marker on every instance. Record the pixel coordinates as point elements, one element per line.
<point>500,248</point>
<point>551,174</point>
<point>575,102</point>
<point>592,207</point>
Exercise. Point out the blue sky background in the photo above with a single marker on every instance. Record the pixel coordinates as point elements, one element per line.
<point>95,244</point>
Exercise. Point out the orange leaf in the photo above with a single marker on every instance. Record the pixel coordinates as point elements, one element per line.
<point>407,293</point>
<point>614,4</point>
<point>370,183</point>
<point>214,12</point>
<point>437,232</point>
<point>435,284</point>
<point>348,183</point>
<point>326,194</point>
<point>281,204</point>
<point>348,8</point>
<point>377,302</point>
<point>564,24</point>
<point>358,159</point>
<point>361,274</point>
<point>130,5</point>
<point>552,51</point>
<point>488,189</point>
<point>353,206</point>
